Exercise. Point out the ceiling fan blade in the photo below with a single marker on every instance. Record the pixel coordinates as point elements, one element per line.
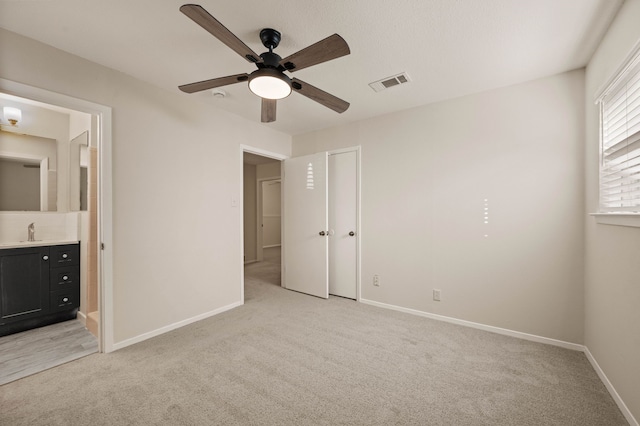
<point>268,110</point>
<point>325,50</point>
<point>320,96</point>
<point>203,18</point>
<point>214,82</point>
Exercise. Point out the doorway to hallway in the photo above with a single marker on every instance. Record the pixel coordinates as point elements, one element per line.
<point>262,219</point>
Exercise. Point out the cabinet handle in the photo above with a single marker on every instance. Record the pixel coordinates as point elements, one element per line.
<point>64,256</point>
<point>64,278</point>
<point>45,257</point>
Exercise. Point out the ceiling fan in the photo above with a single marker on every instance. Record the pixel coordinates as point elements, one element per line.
<point>269,81</point>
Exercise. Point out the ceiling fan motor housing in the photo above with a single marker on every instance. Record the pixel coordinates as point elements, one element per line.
<point>270,38</point>
<point>270,59</point>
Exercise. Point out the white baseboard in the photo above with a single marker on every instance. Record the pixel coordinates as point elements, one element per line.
<point>247,262</point>
<point>271,246</point>
<point>614,394</point>
<point>498,330</point>
<point>531,337</point>
<point>82,318</point>
<point>170,327</point>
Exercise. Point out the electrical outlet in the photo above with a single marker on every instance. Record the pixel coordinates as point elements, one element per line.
<point>376,280</point>
<point>436,294</point>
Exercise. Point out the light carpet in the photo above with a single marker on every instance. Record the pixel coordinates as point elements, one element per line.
<point>285,358</point>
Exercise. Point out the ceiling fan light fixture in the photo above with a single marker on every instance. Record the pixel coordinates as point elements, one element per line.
<point>269,83</point>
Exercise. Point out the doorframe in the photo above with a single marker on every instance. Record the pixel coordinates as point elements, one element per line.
<point>260,214</point>
<point>105,205</point>
<point>264,153</point>
<point>357,150</point>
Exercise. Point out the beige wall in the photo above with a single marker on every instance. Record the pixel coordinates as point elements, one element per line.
<point>426,173</point>
<point>19,186</point>
<point>268,170</point>
<point>612,279</point>
<point>250,213</point>
<point>271,214</point>
<point>176,175</point>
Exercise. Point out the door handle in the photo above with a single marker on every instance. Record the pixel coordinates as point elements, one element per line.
<point>322,233</point>
<point>351,234</point>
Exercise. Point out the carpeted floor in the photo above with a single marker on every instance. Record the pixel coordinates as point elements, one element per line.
<point>284,358</point>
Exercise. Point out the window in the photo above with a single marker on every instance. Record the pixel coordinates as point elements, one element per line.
<point>620,141</point>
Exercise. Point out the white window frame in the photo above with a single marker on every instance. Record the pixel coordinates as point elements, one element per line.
<point>616,87</point>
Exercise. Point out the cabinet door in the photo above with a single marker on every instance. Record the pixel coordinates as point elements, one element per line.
<point>24,283</point>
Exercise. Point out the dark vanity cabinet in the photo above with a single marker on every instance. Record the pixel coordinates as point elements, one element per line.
<point>38,286</point>
<point>64,277</point>
<point>24,283</point>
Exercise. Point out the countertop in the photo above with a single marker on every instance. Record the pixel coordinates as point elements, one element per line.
<point>37,243</point>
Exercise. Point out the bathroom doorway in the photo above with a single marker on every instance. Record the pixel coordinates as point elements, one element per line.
<point>84,154</point>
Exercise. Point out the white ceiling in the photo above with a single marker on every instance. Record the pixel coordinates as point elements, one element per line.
<point>449,48</point>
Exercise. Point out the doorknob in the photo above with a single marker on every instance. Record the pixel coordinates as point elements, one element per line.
<point>351,234</point>
<point>322,233</point>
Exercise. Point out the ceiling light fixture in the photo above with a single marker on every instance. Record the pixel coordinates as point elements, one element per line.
<point>269,83</point>
<point>12,115</point>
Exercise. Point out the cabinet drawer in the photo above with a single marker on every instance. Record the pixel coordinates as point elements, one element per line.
<point>64,255</point>
<point>63,278</point>
<point>64,300</point>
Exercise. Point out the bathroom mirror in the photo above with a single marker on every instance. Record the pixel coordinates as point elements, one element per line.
<point>78,164</point>
<point>28,179</point>
<point>42,155</point>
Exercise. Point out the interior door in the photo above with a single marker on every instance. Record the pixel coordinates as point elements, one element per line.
<point>343,213</point>
<point>306,247</point>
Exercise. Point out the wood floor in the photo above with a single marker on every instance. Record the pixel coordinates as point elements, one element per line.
<point>32,351</point>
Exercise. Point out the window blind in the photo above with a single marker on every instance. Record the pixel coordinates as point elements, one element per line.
<point>620,143</point>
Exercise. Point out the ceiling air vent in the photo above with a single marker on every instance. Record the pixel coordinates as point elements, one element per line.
<point>388,82</point>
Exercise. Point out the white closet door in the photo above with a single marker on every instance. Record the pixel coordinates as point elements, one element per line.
<point>305,225</point>
<point>343,213</point>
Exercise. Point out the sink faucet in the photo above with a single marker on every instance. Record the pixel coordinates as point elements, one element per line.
<point>31,229</point>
